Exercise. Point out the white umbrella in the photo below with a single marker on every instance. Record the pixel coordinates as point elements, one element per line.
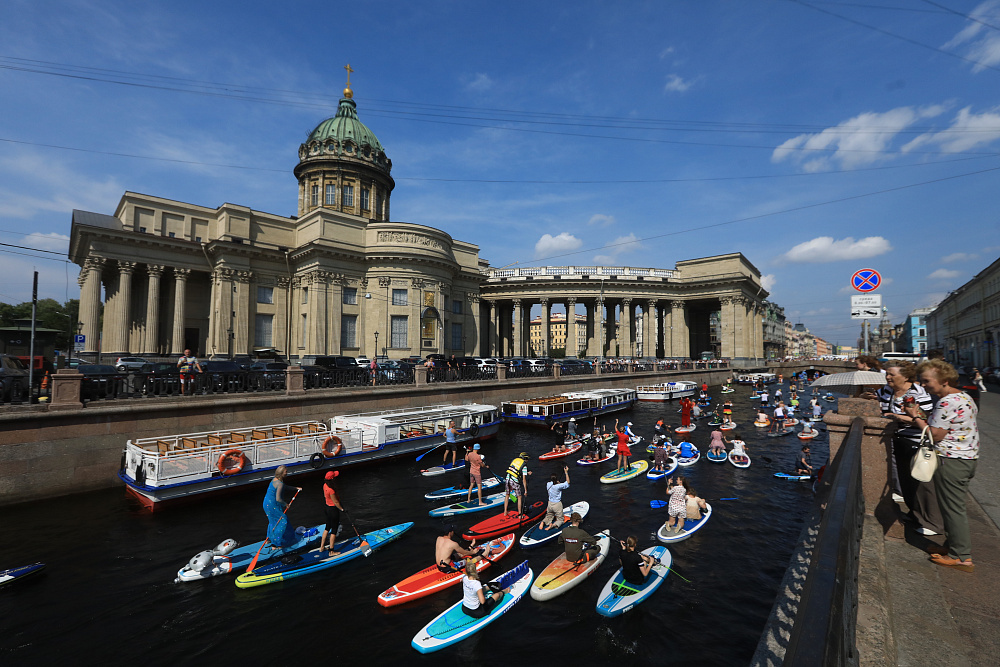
<point>846,383</point>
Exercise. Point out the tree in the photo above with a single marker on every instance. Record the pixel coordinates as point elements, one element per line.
<point>50,314</point>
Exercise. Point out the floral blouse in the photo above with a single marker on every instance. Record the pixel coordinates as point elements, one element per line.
<point>957,414</point>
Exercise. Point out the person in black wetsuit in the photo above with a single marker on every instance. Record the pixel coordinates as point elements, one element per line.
<point>635,566</point>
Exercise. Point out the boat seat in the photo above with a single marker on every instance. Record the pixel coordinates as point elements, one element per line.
<point>315,428</point>
<point>258,434</point>
<point>189,443</point>
<point>298,430</point>
<point>163,447</point>
<point>280,432</point>
<point>238,437</point>
<point>216,440</point>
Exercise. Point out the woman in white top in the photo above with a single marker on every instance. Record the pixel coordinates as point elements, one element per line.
<point>474,602</point>
<point>739,450</point>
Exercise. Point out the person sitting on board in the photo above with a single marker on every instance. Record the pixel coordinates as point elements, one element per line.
<point>686,450</point>
<point>451,444</point>
<point>580,545</point>
<point>717,446</point>
<point>727,412</point>
<point>660,430</point>
<point>807,429</point>
<point>817,411</point>
<point>803,467</point>
<point>696,411</point>
<point>635,565</point>
<point>694,505</point>
<point>554,511</point>
<point>762,417</point>
<point>449,555</point>
<point>475,462</point>
<point>474,602</point>
<point>333,509</point>
<point>623,451</point>
<point>633,439</point>
<point>279,532</point>
<point>677,505</point>
<point>517,481</point>
<point>739,450</point>
<point>659,454</point>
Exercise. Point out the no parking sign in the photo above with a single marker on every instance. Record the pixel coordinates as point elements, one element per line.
<point>866,280</point>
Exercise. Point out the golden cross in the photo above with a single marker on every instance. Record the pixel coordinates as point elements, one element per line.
<point>349,70</point>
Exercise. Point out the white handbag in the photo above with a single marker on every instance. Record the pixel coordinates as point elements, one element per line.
<point>925,460</point>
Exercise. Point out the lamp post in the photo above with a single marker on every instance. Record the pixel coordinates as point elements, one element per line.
<point>376,343</point>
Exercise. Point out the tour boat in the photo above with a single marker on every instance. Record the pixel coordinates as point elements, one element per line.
<point>167,469</point>
<point>665,391</point>
<point>754,378</point>
<point>563,407</point>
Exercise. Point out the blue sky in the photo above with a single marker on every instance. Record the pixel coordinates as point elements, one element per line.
<point>817,138</point>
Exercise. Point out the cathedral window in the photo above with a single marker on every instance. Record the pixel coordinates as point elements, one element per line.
<point>348,191</point>
<point>314,195</point>
<point>364,198</point>
<point>331,194</point>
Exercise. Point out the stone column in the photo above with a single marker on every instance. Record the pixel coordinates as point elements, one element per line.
<point>494,331</point>
<point>152,343</point>
<point>590,326</point>
<point>546,327</point>
<point>279,330</point>
<point>244,311</point>
<point>680,343</point>
<point>727,326</point>
<point>740,326</point>
<point>572,345</point>
<point>601,324</point>
<point>336,302</point>
<point>626,346</point>
<point>123,308</point>
<point>90,303</point>
<point>417,301</point>
<point>180,294</point>
<point>474,321</point>
<point>649,329</point>
<point>517,324</point>
<point>318,301</point>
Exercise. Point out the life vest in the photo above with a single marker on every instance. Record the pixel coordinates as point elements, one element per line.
<point>514,470</point>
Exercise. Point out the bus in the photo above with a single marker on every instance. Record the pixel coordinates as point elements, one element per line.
<point>915,357</point>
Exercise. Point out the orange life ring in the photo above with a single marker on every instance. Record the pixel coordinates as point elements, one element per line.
<point>231,462</point>
<point>338,446</point>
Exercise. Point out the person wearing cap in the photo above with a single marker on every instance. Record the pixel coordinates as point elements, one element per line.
<point>475,462</point>
<point>333,509</point>
<point>517,481</point>
<point>571,429</point>
<point>632,437</point>
<point>449,555</point>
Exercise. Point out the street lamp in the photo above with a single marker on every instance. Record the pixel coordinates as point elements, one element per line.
<point>376,343</point>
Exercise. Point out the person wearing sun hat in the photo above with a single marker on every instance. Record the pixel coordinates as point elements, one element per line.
<point>333,509</point>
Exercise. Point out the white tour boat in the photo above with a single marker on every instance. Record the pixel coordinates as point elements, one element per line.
<point>172,468</point>
<point>666,391</point>
<point>754,378</point>
<point>572,404</point>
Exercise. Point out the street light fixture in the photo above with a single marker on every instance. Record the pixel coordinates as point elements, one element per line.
<point>376,343</point>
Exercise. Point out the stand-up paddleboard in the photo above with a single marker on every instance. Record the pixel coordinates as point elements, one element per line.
<point>807,436</point>
<point>829,397</point>
<point>442,469</point>
<point>689,460</point>
<point>691,526</point>
<point>792,478</point>
<point>728,427</point>
<point>316,561</point>
<point>454,625</point>
<point>762,424</point>
<point>569,449</point>
<point>715,422</point>
<point>535,535</point>
<point>685,429</point>
<point>726,391</point>
<point>716,458</point>
<point>779,432</point>
<point>754,397</point>
<point>561,575</point>
<point>744,463</point>
<point>668,469</point>
<point>501,524</point>
<point>620,474</point>
<point>789,423</point>
<point>223,560</point>
<point>19,573</point>
<point>431,580</point>
<point>610,455</point>
<point>618,595</point>
<point>469,506</point>
<point>458,490</point>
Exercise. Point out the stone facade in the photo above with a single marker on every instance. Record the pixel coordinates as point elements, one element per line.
<point>966,324</point>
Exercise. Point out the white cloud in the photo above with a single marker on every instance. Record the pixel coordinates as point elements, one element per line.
<point>28,173</point>
<point>966,131</point>
<point>826,249</point>
<point>480,83</point>
<point>48,241</point>
<point>676,84</point>
<point>666,52</point>
<point>861,140</point>
<point>768,281</point>
<point>959,257</point>
<point>943,274</point>
<point>618,247</point>
<point>550,245</point>
<point>601,220</point>
<point>982,43</point>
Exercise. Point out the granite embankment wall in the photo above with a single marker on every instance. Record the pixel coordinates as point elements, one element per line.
<point>45,454</point>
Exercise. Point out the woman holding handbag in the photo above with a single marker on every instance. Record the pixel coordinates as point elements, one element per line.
<point>956,438</point>
<point>898,392</point>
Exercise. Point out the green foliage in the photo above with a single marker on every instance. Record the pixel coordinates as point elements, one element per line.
<point>50,314</point>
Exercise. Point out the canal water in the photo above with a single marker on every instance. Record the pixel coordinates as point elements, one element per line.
<point>108,595</point>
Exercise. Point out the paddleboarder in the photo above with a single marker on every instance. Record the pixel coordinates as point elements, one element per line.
<point>449,555</point>
<point>677,505</point>
<point>686,405</point>
<point>660,430</point>
<point>635,565</point>
<point>279,533</point>
<point>739,450</point>
<point>727,412</point>
<point>816,410</point>
<point>717,446</point>
<point>475,462</point>
<point>660,454</point>
<point>764,398</point>
<point>580,545</point>
<point>333,509</point>
<point>451,445</point>
<point>474,602</point>
<point>803,467</point>
<point>517,481</point>
<point>554,511</point>
<point>623,451</point>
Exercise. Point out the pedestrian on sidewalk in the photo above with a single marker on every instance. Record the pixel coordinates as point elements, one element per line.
<point>977,379</point>
<point>956,439</point>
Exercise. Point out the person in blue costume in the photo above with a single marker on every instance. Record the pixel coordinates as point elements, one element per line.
<point>279,532</point>
<point>687,450</point>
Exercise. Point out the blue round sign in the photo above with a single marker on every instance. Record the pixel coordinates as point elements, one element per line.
<point>866,280</point>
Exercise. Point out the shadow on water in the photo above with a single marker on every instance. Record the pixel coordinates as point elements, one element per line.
<point>108,592</point>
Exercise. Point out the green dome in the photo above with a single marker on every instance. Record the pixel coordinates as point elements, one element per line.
<point>345,126</point>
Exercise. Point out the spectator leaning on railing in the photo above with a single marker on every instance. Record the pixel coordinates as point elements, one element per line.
<point>956,438</point>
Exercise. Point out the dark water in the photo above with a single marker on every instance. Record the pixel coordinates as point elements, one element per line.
<point>108,594</point>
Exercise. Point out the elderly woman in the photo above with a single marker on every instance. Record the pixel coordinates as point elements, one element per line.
<point>956,440</point>
<point>900,377</point>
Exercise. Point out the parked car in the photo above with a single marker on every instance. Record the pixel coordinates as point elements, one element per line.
<point>99,381</point>
<point>363,362</point>
<point>130,364</point>
<point>162,377</point>
<point>414,359</point>
<point>330,361</point>
<point>219,375</point>
<point>273,372</point>
<point>13,379</point>
<point>483,362</point>
<point>538,365</point>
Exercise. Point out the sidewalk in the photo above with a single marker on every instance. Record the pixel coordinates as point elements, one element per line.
<point>942,616</point>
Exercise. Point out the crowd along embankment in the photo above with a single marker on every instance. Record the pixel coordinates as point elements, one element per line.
<point>45,454</point>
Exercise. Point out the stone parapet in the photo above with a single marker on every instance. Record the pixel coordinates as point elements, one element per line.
<point>66,390</point>
<point>294,381</point>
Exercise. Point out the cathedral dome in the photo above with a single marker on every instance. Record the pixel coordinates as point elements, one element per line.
<point>345,126</point>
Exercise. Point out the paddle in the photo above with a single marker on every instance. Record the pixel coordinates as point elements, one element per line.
<point>253,563</point>
<point>657,504</point>
<point>364,546</point>
<point>430,450</point>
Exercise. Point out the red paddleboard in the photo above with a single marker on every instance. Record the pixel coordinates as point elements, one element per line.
<point>565,452</point>
<point>431,580</point>
<point>502,523</point>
